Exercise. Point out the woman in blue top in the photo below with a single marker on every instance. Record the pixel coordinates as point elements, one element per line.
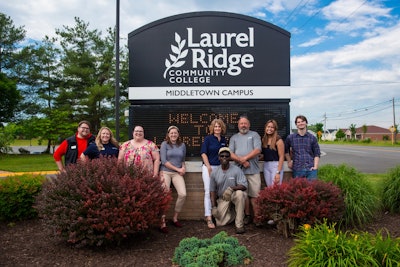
<point>273,150</point>
<point>173,168</point>
<point>209,153</point>
<point>105,145</point>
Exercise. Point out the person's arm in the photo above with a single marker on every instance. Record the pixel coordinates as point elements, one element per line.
<point>287,153</point>
<point>60,165</point>
<point>156,162</point>
<point>238,187</point>
<point>316,162</point>
<point>281,153</point>
<point>204,157</point>
<point>83,156</point>
<point>60,151</point>
<point>121,153</point>
<point>317,153</point>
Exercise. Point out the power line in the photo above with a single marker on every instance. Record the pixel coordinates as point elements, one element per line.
<point>340,22</point>
<point>291,13</point>
<point>356,112</point>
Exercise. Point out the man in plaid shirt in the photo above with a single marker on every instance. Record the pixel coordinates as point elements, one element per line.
<point>303,148</point>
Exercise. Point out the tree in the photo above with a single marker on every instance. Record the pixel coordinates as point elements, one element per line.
<point>87,71</point>
<point>9,99</point>
<point>353,131</point>
<point>340,134</point>
<point>10,36</point>
<point>364,129</point>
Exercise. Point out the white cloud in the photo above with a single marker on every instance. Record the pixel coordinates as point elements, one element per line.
<point>359,65</point>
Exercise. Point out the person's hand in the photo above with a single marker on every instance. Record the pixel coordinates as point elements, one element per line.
<point>214,212</point>
<point>246,164</point>
<point>290,164</point>
<point>227,194</point>
<point>182,171</point>
<point>277,178</point>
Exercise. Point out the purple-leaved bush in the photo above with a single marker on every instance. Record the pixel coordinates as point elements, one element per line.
<point>301,200</point>
<point>100,201</point>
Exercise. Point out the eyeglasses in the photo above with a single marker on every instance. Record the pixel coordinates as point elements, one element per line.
<point>224,156</point>
<point>85,128</point>
<point>138,131</point>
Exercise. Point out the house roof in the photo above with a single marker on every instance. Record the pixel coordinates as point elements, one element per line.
<point>372,129</point>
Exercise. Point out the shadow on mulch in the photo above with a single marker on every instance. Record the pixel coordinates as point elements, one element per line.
<point>28,243</point>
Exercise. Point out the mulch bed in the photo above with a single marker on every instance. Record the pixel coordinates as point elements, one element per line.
<point>28,243</point>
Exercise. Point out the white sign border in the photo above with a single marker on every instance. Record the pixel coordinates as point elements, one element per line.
<point>209,92</point>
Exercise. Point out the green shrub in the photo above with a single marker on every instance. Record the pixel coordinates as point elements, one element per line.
<point>17,196</point>
<point>300,201</point>
<point>366,140</point>
<point>220,250</point>
<point>102,202</point>
<point>322,245</point>
<point>360,200</point>
<point>391,191</point>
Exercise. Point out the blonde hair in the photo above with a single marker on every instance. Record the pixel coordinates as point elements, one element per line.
<point>274,137</point>
<point>98,138</point>
<point>220,122</point>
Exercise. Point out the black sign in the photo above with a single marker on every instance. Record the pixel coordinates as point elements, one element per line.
<point>209,49</point>
<point>189,69</point>
<point>193,120</point>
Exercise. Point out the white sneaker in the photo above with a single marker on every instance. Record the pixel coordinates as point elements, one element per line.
<point>271,222</point>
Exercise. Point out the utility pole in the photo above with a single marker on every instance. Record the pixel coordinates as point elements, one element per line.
<point>117,73</point>
<point>325,130</point>
<point>394,121</point>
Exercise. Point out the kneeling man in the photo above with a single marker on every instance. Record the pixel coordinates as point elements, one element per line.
<point>228,187</point>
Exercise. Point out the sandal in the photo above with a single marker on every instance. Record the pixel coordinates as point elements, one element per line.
<point>163,227</point>
<point>210,224</point>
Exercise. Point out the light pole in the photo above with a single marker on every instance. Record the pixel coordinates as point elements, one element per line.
<point>117,73</point>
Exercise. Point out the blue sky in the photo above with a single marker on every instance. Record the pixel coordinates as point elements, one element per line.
<point>345,54</point>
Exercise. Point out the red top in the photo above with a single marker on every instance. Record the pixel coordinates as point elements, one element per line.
<point>62,149</point>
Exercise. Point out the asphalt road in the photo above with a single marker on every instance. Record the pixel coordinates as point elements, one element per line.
<point>366,159</point>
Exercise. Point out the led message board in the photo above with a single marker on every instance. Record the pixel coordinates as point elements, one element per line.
<point>193,120</point>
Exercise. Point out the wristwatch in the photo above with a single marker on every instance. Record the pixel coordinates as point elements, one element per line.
<point>278,172</point>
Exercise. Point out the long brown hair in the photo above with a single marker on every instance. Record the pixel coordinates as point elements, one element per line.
<point>274,137</point>
<point>178,141</point>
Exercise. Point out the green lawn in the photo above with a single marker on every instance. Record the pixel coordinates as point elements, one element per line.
<point>27,163</point>
<point>33,142</point>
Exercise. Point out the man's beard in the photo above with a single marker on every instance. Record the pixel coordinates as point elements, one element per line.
<point>243,130</point>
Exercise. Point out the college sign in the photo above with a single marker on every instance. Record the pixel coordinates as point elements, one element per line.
<point>209,55</point>
<point>189,69</point>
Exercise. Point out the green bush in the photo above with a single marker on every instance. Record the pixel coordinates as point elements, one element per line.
<point>17,196</point>
<point>221,250</point>
<point>322,245</point>
<point>391,191</point>
<point>360,200</point>
<point>102,202</point>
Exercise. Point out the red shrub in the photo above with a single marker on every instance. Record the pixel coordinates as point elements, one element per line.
<point>302,200</point>
<point>101,201</point>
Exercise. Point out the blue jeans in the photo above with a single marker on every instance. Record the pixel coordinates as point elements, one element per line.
<point>306,173</point>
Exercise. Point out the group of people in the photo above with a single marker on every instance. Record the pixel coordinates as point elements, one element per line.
<point>230,189</point>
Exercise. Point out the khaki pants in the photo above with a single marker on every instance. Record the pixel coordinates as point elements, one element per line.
<point>231,210</point>
<point>179,184</point>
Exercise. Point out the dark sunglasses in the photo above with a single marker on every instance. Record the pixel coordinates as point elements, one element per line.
<point>224,156</point>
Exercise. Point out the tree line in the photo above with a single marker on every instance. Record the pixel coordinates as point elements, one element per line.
<point>47,86</point>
